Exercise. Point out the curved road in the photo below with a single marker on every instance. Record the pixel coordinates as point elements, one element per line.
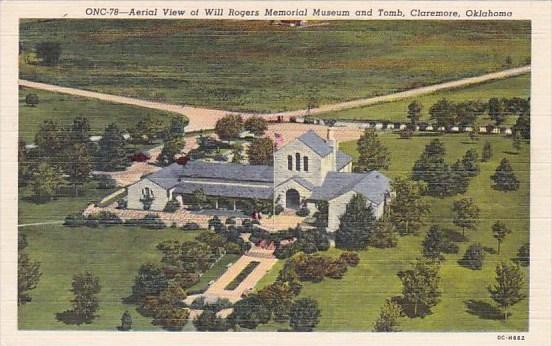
<point>205,118</point>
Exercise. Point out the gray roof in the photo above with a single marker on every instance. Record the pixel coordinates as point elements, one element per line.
<point>372,185</point>
<point>301,181</point>
<point>261,191</point>
<point>168,176</point>
<point>342,160</point>
<point>315,142</point>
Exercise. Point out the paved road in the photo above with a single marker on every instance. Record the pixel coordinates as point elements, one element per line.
<point>205,118</point>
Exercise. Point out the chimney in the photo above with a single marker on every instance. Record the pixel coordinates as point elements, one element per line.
<point>333,144</point>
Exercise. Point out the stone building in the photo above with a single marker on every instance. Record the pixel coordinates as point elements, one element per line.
<point>307,170</point>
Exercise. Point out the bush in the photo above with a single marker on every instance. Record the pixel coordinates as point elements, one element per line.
<point>107,218</point>
<point>473,257</point>
<point>230,220</point>
<point>233,248</point>
<point>191,226</point>
<point>336,268</point>
<point>104,218</point>
<point>351,258</point>
<point>304,211</point>
<point>151,221</point>
<point>74,220</point>
<point>106,182</point>
<point>172,206</point>
<point>523,255</point>
<point>278,209</point>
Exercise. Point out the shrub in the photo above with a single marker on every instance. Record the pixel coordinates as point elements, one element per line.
<point>523,255</point>
<point>107,218</point>
<point>233,248</point>
<point>311,267</point>
<point>351,258</point>
<point>336,269</point>
<point>151,221</point>
<point>304,211</point>
<point>191,226</point>
<point>278,209</point>
<point>473,257</point>
<point>74,220</point>
<point>230,220</point>
<point>172,206</point>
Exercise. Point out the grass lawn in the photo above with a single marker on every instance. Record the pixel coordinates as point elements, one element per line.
<point>215,272</point>
<point>353,303</point>
<point>64,108</point>
<point>396,111</point>
<point>114,254</point>
<point>256,66</point>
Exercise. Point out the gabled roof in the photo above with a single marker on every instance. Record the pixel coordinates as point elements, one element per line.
<point>315,142</point>
<point>373,186</point>
<point>301,181</point>
<point>170,175</point>
<point>342,160</point>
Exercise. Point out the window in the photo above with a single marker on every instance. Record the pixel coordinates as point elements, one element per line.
<point>306,163</point>
<point>290,163</point>
<point>297,162</point>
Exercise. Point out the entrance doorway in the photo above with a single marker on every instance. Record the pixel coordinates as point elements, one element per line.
<point>292,199</point>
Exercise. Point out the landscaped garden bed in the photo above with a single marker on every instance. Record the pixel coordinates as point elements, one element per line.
<point>242,275</point>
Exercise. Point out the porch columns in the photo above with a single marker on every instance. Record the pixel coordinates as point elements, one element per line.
<point>234,201</point>
<point>216,203</point>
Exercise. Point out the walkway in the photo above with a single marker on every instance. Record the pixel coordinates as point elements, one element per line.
<point>206,118</point>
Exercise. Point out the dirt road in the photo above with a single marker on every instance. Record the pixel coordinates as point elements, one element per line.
<point>205,118</point>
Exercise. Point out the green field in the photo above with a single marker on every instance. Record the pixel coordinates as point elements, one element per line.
<point>64,108</point>
<point>114,254</point>
<point>353,302</point>
<point>396,111</point>
<point>253,65</point>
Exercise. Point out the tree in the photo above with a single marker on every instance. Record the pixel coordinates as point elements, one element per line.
<point>408,209</point>
<point>48,52</point>
<point>28,272</point>
<point>85,286</point>
<point>209,321</point>
<point>51,140</point>
<point>496,111</point>
<point>523,257</point>
<point>384,235</point>
<point>177,127</point>
<point>169,312</point>
<point>321,215</point>
<point>516,141</point>
<point>504,177</point>
<point>443,112</point>
<point>421,286</point>
<point>355,225</point>
<point>500,231</point>
<point>229,127</point>
<point>78,166</point>
<point>468,112</point>
<point>237,156</point>
<point>24,171</point>
<point>372,154</point>
<point>126,322</point>
<point>250,312</point>
<point>470,162</point>
<point>304,315</point>
<point>473,257</point>
<point>199,197</point>
<point>32,99</point>
<point>277,297</point>
<point>436,242</point>
<point>487,152</point>
<point>256,125</point>
<point>414,112</point>
<point>150,281</point>
<point>171,148</point>
<point>432,169</point>
<point>45,182</point>
<point>112,153</point>
<point>455,180</point>
<point>150,128</point>
<point>523,125</point>
<point>261,151</point>
<point>508,289</point>
<point>388,317</point>
<point>80,130</point>
<point>466,214</point>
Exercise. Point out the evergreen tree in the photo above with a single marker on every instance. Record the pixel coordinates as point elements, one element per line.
<point>78,166</point>
<point>523,257</point>
<point>356,225</point>
<point>171,148</point>
<point>523,125</point>
<point>504,177</point>
<point>473,257</point>
<point>126,321</point>
<point>500,231</point>
<point>45,182</point>
<point>80,130</point>
<point>414,112</point>
<point>250,312</point>
<point>408,209</point>
<point>169,312</point>
<point>487,152</point>
<point>51,141</point>
<point>496,111</point>
<point>28,272</point>
<point>304,315</point>
<point>177,128</point>
<point>436,242</point>
<point>421,286</point>
<point>508,289</point>
<point>388,320</point>
<point>466,214</point>
<point>229,127</point>
<point>455,180</point>
<point>256,125</point>
<point>278,298</point>
<point>112,153</point>
<point>470,162</point>
<point>433,170</point>
<point>384,235</point>
<point>372,154</point>
<point>150,281</point>
<point>261,151</point>
<point>443,112</point>
<point>85,303</point>
<point>23,165</point>
<point>209,321</point>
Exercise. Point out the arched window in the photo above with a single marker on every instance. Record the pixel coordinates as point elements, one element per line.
<point>297,162</point>
<point>306,163</point>
<point>290,162</point>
